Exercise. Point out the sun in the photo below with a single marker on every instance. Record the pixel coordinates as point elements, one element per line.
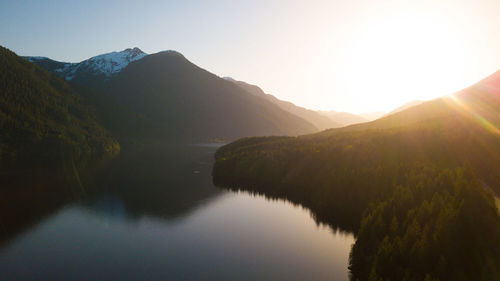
<point>396,59</point>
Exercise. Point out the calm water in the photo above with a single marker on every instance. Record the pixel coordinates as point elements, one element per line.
<point>161,218</point>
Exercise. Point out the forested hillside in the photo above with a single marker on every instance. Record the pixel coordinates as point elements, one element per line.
<point>415,186</point>
<point>42,118</point>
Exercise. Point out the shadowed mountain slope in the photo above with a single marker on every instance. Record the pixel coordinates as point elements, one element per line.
<point>177,100</point>
<point>321,122</point>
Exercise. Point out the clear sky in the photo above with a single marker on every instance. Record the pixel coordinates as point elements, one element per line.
<point>349,55</point>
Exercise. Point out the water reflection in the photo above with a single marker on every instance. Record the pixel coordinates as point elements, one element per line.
<point>154,214</point>
<point>161,181</point>
<point>28,196</point>
<point>165,181</point>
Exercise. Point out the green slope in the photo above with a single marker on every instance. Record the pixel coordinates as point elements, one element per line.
<point>415,185</point>
<point>43,119</point>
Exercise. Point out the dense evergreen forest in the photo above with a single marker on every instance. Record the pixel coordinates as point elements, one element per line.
<point>43,119</point>
<point>415,187</point>
<point>438,224</point>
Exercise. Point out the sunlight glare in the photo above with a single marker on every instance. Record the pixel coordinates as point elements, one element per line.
<point>401,58</point>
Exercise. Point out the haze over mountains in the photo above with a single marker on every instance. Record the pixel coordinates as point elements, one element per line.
<point>405,106</point>
<point>321,122</point>
<point>372,115</point>
<point>344,118</point>
<point>321,119</point>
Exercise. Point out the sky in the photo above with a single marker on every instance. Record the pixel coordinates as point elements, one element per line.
<point>352,55</point>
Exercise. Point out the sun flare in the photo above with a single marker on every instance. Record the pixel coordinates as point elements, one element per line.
<point>396,59</point>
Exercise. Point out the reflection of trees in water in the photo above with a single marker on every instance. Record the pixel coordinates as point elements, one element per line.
<point>29,195</point>
<point>166,182</point>
<point>337,223</point>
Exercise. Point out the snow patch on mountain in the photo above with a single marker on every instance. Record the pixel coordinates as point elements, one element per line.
<point>105,64</point>
<point>114,62</point>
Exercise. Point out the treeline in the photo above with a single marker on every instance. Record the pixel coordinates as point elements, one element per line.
<point>43,119</point>
<point>437,225</point>
<point>416,196</point>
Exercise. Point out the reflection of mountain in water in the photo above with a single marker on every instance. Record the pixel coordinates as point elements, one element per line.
<point>166,182</point>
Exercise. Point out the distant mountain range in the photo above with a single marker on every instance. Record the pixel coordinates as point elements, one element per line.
<point>99,72</point>
<point>344,118</point>
<point>405,106</point>
<point>372,115</point>
<point>321,122</point>
<point>321,119</point>
<point>188,103</point>
<point>164,96</point>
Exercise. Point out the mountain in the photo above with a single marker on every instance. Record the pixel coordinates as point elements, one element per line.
<point>372,115</point>
<point>416,186</point>
<point>48,64</point>
<point>321,122</point>
<point>406,106</point>
<point>42,118</point>
<point>174,99</point>
<point>103,65</point>
<point>344,118</point>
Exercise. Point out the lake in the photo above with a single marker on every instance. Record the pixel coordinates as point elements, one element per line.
<point>157,216</point>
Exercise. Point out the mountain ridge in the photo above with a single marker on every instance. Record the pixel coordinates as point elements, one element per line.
<point>175,97</point>
<point>106,64</point>
<point>344,118</point>
<point>321,122</point>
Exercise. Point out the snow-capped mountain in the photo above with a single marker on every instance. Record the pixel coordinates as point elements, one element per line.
<point>105,64</point>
